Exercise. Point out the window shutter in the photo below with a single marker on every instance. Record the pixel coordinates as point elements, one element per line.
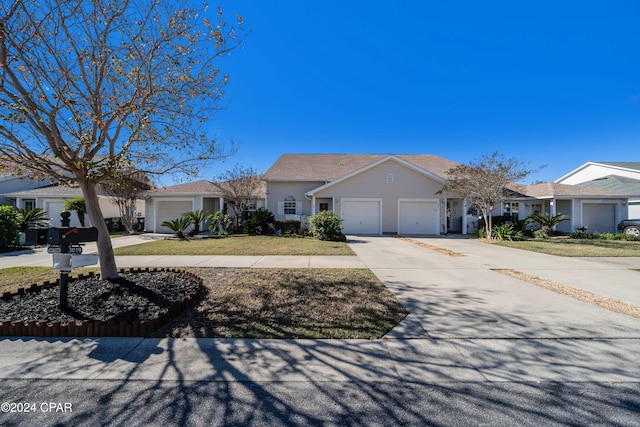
<point>280,208</point>
<point>298,208</point>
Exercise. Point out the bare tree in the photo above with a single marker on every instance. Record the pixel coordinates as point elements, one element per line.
<point>87,86</point>
<point>124,189</point>
<point>483,182</point>
<point>240,186</point>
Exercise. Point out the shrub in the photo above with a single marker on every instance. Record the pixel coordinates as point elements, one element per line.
<point>178,226</point>
<point>220,223</point>
<point>540,234</point>
<point>288,227</point>
<point>582,234</point>
<point>327,225</point>
<point>261,222</point>
<point>8,226</point>
<point>507,232</point>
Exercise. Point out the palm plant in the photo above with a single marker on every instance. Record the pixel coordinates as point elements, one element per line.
<point>35,216</point>
<point>220,223</point>
<point>178,226</point>
<point>78,205</point>
<point>196,217</point>
<point>546,221</point>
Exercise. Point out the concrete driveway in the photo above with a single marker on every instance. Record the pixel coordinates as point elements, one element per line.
<point>466,297</point>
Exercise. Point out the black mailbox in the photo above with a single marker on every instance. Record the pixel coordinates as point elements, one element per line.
<point>60,236</point>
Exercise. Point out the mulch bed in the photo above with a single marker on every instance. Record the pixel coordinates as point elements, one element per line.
<point>137,298</point>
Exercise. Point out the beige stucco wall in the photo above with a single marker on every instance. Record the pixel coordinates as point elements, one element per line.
<point>278,190</point>
<point>372,183</point>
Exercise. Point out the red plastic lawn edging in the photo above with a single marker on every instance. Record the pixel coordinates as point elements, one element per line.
<point>95,328</point>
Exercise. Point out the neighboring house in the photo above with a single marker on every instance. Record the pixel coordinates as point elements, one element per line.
<point>620,177</point>
<point>169,203</point>
<point>11,183</point>
<point>51,199</point>
<point>400,194</point>
<point>596,209</point>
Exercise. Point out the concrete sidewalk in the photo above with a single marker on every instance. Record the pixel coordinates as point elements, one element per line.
<point>467,323</point>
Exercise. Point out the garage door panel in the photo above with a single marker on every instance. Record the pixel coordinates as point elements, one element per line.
<point>600,217</point>
<point>169,211</point>
<point>418,217</point>
<point>361,217</point>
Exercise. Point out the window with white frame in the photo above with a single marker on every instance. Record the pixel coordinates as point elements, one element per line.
<point>289,205</point>
<point>389,178</point>
<point>29,204</point>
<point>511,207</point>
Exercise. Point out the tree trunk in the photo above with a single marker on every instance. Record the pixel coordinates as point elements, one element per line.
<point>487,221</point>
<point>108,268</point>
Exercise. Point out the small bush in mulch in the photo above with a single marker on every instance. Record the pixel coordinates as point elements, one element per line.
<point>135,297</point>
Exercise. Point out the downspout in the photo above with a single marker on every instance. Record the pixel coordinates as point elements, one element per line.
<point>464,216</point>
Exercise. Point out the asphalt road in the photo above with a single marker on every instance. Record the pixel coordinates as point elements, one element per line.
<point>145,403</point>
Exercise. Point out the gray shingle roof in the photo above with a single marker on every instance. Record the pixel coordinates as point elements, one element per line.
<point>54,190</point>
<point>197,187</point>
<point>552,189</point>
<point>626,165</point>
<point>620,184</point>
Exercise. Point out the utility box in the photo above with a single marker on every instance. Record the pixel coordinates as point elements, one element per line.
<point>36,236</point>
<point>61,236</point>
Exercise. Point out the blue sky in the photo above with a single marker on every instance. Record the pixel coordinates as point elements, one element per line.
<point>555,83</point>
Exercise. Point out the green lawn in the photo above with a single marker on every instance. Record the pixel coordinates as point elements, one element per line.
<point>579,247</point>
<point>246,245</point>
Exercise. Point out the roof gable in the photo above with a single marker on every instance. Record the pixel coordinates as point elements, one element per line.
<point>632,168</point>
<point>393,158</point>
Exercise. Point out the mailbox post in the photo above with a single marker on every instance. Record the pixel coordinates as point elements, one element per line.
<point>64,243</point>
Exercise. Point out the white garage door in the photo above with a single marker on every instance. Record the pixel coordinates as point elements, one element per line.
<point>170,210</point>
<point>600,217</point>
<point>361,217</point>
<point>418,217</point>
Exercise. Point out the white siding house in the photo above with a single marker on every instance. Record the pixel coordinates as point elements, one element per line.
<point>620,177</point>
